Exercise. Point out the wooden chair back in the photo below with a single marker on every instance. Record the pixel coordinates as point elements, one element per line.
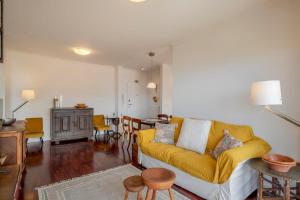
<point>163,117</point>
<point>126,124</point>
<point>136,124</point>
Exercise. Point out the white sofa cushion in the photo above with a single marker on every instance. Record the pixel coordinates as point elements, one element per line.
<point>194,134</point>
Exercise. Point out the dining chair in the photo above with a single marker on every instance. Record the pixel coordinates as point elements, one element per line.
<point>163,117</point>
<point>34,129</point>
<point>100,125</point>
<point>136,125</point>
<point>126,126</point>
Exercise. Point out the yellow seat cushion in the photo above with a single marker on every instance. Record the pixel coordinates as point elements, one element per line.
<point>102,128</point>
<point>199,165</point>
<point>34,124</point>
<point>240,132</point>
<point>178,121</point>
<point>34,135</point>
<point>160,151</point>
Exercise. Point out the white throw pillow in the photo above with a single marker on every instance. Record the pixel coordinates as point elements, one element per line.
<point>194,134</point>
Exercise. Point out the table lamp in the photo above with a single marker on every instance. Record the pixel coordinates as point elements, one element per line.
<point>27,95</point>
<point>267,93</point>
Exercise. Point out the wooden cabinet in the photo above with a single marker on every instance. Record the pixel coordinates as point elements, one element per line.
<point>71,123</point>
<point>12,144</point>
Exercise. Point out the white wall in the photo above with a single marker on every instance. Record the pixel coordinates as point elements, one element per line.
<point>135,91</point>
<point>213,72</point>
<point>2,89</point>
<point>78,82</point>
<point>166,84</point>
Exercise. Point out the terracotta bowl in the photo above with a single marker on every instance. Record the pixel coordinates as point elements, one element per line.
<point>279,162</point>
<point>81,105</point>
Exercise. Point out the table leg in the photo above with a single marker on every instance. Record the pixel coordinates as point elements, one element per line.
<point>274,192</point>
<point>126,195</point>
<point>139,196</point>
<point>148,194</point>
<point>287,189</point>
<point>154,195</point>
<point>298,188</point>
<point>171,194</point>
<point>260,186</point>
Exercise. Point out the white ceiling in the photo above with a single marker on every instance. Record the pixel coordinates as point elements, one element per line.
<point>120,32</point>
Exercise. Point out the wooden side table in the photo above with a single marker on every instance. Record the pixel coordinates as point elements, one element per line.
<point>277,190</point>
<point>158,179</point>
<point>134,184</point>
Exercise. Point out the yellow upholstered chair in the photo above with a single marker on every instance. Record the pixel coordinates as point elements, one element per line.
<point>99,124</point>
<point>34,128</point>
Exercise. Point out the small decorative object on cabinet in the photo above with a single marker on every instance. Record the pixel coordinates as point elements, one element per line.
<point>277,190</point>
<point>55,102</point>
<point>81,105</point>
<point>71,123</point>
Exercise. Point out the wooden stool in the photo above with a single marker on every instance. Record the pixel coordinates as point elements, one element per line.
<point>134,184</point>
<point>158,179</point>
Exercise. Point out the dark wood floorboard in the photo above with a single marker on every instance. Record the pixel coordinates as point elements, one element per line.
<point>55,163</point>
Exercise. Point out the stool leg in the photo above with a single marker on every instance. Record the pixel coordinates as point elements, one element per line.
<point>139,196</point>
<point>171,194</point>
<point>154,195</point>
<point>260,186</point>
<point>287,190</point>
<point>148,194</point>
<point>126,195</point>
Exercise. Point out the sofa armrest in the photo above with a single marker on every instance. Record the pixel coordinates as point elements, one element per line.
<point>230,159</point>
<point>145,136</point>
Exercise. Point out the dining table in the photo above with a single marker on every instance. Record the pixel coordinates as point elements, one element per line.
<point>152,121</point>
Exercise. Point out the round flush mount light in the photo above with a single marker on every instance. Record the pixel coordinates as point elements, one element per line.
<point>137,1</point>
<point>82,51</point>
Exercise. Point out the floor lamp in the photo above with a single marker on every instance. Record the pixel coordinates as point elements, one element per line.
<point>267,93</point>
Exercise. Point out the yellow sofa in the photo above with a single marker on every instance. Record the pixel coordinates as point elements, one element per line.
<point>204,166</point>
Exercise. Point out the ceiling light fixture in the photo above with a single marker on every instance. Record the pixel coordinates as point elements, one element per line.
<point>82,51</point>
<point>151,84</point>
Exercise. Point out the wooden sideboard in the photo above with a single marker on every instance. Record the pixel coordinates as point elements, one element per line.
<point>12,144</point>
<point>71,123</point>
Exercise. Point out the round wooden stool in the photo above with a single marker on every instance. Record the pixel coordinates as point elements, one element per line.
<point>134,184</point>
<point>158,179</point>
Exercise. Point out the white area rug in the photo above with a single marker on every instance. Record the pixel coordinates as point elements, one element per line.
<point>104,185</point>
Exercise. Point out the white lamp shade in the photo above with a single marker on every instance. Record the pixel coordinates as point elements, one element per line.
<point>28,94</point>
<point>151,85</point>
<point>266,93</point>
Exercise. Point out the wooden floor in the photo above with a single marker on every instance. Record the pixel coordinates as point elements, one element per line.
<point>60,162</point>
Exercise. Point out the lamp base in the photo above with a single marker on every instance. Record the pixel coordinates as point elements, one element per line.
<point>8,122</point>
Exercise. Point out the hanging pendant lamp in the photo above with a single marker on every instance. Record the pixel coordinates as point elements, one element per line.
<point>151,84</point>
